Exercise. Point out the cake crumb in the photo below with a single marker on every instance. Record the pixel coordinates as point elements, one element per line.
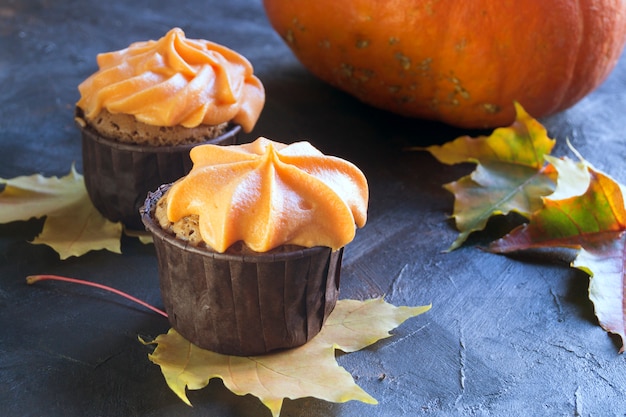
<point>125,128</point>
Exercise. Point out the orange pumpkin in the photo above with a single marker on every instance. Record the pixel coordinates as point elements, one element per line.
<point>463,62</point>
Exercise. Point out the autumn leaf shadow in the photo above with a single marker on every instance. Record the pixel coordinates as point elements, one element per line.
<point>577,293</point>
<point>215,399</point>
<point>577,281</point>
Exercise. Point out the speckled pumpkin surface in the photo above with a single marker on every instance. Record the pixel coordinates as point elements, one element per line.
<point>460,62</point>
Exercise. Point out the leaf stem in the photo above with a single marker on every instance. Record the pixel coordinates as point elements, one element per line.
<point>35,278</point>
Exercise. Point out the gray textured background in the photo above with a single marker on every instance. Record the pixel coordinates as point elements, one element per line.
<point>505,336</point>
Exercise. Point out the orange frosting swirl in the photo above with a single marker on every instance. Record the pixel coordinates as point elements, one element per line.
<point>268,194</point>
<point>175,81</point>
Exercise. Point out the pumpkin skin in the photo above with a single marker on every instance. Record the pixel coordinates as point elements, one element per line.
<point>460,62</point>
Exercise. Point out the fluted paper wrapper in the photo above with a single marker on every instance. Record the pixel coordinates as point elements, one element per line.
<point>244,304</point>
<point>118,176</point>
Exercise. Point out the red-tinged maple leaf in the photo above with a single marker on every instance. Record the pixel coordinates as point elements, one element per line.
<point>568,204</point>
<point>511,173</point>
<point>595,223</point>
<point>598,215</point>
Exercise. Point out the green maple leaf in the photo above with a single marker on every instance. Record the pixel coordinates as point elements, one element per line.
<point>310,370</point>
<point>511,174</point>
<point>73,226</point>
<point>594,222</point>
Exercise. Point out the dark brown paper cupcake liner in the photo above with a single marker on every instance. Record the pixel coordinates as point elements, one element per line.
<point>243,304</point>
<point>118,176</point>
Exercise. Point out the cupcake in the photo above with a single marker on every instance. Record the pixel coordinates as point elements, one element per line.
<point>148,105</point>
<point>249,243</point>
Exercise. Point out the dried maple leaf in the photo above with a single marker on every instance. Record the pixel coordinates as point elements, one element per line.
<point>593,222</point>
<point>310,370</point>
<point>511,175</point>
<point>73,226</point>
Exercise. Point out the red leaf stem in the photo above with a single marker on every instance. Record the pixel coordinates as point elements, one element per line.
<point>35,278</point>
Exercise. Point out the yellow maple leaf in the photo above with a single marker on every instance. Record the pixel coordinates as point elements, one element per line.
<point>73,226</point>
<point>310,370</point>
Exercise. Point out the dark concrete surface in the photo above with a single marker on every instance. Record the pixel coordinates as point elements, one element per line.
<point>506,336</point>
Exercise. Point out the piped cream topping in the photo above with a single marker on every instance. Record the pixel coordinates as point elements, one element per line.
<point>268,194</point>
<point>175,81</point>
